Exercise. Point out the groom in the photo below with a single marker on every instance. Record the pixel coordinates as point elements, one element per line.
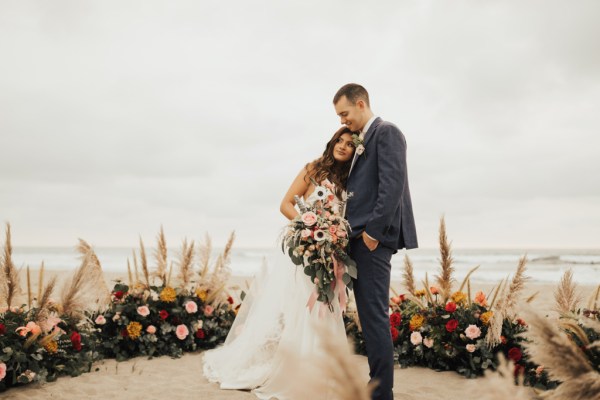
<point>380,213</point>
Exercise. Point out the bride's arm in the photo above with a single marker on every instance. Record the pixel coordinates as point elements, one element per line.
<point>298,188</point>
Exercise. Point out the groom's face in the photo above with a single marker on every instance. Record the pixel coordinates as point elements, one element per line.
<point>351,115</point>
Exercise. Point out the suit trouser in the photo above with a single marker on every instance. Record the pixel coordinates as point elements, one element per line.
<point>371,291</point>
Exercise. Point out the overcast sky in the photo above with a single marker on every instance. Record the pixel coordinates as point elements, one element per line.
<point>119,116</point>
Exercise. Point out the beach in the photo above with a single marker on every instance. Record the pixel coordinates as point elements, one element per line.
<point>163,377</point>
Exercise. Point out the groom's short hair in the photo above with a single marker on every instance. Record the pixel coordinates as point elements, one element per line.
<point>353,93</point>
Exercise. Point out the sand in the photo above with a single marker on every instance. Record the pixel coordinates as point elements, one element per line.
<point>166,378</point>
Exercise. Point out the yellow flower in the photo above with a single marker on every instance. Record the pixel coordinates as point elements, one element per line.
<point>134,330</point>
<point>168,294</point>
<point>486,317</point>
<point>51,347</point>
<point>420,293</point>
<point>201,294</point>
<point>416,322</point>
<point>459,298</point>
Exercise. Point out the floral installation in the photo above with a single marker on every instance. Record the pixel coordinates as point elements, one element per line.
<point>41,352</point>
<point>44,339</point>
<point>452,330</point>
<point>317,240</point>
<point>156,314</point>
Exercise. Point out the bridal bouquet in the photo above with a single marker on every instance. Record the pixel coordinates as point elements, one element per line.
<point>317,240</point>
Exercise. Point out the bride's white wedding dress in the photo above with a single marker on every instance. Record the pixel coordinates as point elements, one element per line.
<point>274,318</point>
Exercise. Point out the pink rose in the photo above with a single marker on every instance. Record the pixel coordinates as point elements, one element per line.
<point>428,342</point>
<point>144,311</point>
<point>208,310</point>
<point>471,348</point>
<point>309,218</point>
<point>100,320</point>
<point>2,370</point>
<point>191,307</point>
<point>305,234</point>
<point>416,338</point>
<point>472,332</point>
<point>151,329</point>
<point>327,214</point>
<point>182,332</point>
<point>332,229</point>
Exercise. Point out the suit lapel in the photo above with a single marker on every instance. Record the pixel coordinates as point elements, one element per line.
<point>369,133</point>
<point>366,139</point>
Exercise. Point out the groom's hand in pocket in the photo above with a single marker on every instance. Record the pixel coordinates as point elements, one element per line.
<point>369,241</point>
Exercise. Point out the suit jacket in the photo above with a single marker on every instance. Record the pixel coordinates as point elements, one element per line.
<point>380,202</point>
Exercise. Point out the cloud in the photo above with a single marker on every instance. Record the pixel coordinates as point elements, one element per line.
<point>117,117</point>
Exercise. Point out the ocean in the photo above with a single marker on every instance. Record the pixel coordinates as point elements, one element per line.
<point>544,266</point>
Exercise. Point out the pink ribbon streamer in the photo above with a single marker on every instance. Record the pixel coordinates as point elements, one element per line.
<point>338,270</point>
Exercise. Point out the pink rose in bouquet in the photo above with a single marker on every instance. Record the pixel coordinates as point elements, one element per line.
<point>309,218</point>
<point>182,332</point>
<point>191,307</point>
<point>416,338</point>
<point>208,310</point>
<point>151,329</point>
<point>144,311</point>
<point>473,332</point>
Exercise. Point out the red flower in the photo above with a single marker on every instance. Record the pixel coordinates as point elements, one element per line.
<point>2,329</point>
<point>163,314</point>
<point>230,300</point>
<point>76,340</point>
<point>451,325</point>
<point>451,306</point>
<point>124,333</point>
<point>394,333</point>
<point>119,294</point>
<point>200,334</point>
<point>395,319</point>
<point>521,322</point>
<point>515,354</point>
<point>502,339</point>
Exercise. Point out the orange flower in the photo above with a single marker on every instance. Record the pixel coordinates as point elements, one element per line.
<point>168,294</point>
<point>459,298</point>
<point>486,317</point>
<point>434,290</point>
<point>51,347</point>
<point>134,329</point>
<point>480,299</point>
<point>416,322</point>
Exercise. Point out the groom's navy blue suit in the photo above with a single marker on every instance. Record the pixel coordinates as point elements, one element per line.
<point>379,205</point>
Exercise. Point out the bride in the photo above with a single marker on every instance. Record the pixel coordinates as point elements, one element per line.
<point>274,315</point>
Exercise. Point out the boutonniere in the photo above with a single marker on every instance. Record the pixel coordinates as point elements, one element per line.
<point>359,144</point>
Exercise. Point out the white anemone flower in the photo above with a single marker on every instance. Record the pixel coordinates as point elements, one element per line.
<point>321,192</point>
<point>319,235</point>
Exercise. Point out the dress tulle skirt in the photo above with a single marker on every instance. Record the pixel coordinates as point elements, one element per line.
<point>272,320</point>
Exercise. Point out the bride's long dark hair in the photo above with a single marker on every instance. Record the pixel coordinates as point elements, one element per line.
<point>326,167</point>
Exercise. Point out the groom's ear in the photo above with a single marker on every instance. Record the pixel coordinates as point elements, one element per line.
<point>361,104</point>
